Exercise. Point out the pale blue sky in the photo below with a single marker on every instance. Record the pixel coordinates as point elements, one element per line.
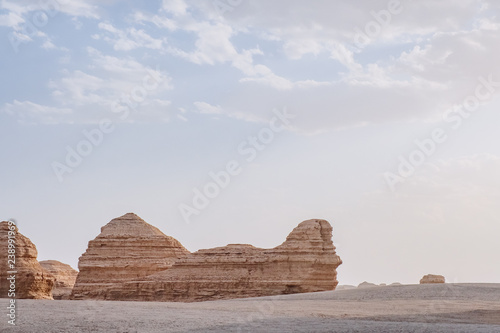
<point>213,79</point>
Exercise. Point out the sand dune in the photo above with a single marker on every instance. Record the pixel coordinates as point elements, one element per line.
<point>409,308</point>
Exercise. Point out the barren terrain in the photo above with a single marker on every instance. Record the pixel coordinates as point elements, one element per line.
<point>408,308</point>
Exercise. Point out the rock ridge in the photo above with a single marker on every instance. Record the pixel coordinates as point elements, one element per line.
<point>305,262</point>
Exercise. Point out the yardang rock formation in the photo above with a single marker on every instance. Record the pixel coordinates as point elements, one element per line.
<point>127,249</point>
<point>305,262</point>
<point>65,277</point>
<point>431,278</point>
<point>31,281</point>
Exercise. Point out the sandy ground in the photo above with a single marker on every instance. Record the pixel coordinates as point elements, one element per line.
<point>453,308</point>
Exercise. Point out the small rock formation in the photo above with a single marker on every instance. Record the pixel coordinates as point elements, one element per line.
<point>127,249</point>
<point>430,278</point>
<point>345,287</point>
<point>31,281</point>
<point>305,262</point>
<point>366,285</point>
<point>65,277</point>
<point>395,284</point>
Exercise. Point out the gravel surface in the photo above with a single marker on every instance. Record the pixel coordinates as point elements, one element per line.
<point>453,308</point>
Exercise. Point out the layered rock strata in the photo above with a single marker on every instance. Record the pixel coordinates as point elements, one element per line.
<point>127,249</point>
<point>305,262</point>
<point>65,277</point>
<point>25,276</point>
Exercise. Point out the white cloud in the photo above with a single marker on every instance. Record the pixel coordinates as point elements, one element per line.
<point>10,20</point>
<point>128,39</point>
<point>418,66</point>
<point>158,20</point>
<point>114,77</point>
<point>28,19</point>
<point>176,7</point>
<point>212,46</point>
<point>79,8</point>
<point>206,108</point>
<point>109,85</point>
<point>436,64</point>
<point>29,112</point>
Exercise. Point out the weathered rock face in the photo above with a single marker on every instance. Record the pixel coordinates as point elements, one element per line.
<point>430,278</point>
<point>305,262</point>
<point>31,281</point>
<point>127,249</point>
<point>65,277</point>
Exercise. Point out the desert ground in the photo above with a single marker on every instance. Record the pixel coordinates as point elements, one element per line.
<point>452,308</point>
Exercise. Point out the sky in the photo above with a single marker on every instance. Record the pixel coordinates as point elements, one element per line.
<point>232,121</point>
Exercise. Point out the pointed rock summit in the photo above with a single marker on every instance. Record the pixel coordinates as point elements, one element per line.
<point>31,281</point>
<point>127,248</point>
<point>305,262</point>
<point>130,225</point>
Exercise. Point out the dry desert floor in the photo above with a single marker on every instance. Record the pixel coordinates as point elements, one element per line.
<point>453,308</point>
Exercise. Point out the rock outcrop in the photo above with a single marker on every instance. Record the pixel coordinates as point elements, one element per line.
<point>31,281</point>
<point>127,249</point>
<point>430,278</point>
<point>305,262</point>
<point>366,285</point>
<point>65,277</point>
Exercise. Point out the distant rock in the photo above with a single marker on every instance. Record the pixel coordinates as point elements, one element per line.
<point>31,281</point>
<point>396,284</point>
<point>345,287</point>
<point>127,249</point>
<point>383,284</point>
<point>430,278</point>
<point>366,285</point>
<point>65,277</point>
<point>305,262</point>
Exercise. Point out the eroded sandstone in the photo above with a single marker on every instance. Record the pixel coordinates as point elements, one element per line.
<point>65,277</point>
<point>31,281</point>
<point>127,249</point>
<point>305,262</point>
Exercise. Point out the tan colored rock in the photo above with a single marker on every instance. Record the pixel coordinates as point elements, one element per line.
<point>430,278</point>
<point>127,249</point>
<point>31,281</point>
<point>65,277</point>
<point>305,262</point>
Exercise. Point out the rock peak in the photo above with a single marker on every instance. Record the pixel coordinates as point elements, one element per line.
<point>130,225</point>
<point>130,216</point>
<point>315,233</point>
<point>126,249</point>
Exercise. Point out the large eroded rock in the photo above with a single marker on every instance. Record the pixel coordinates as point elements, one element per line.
<point>31,281</point>
<point>127,249</point>
<point>305,262</point>
<point>65,277</point>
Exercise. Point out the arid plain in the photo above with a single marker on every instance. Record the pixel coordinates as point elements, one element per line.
<point>453,308</point>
